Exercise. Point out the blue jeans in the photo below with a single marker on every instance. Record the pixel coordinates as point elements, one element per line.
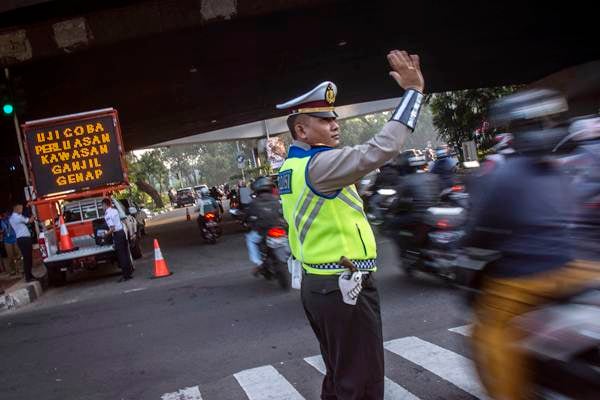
<point>253,240</point>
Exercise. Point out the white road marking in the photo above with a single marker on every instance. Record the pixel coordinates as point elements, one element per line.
<point>464,330</point>
<point>392,391</point>
<point>134,290</point>
<point>190,393</point>
<point>265,383</point>
<point>446,364</point>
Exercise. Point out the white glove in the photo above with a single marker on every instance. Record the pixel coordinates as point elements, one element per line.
<point>350,285</point>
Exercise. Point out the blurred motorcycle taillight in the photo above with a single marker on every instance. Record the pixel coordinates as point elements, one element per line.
<point>443,224</point>
<point>458,188</point>
<point>209,216</point>
<point>276,232</point>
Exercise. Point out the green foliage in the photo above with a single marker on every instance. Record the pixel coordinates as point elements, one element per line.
<point>457,115</point>
<point>360,129</point>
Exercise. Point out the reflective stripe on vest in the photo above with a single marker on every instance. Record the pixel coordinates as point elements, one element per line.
<point>323,228</point>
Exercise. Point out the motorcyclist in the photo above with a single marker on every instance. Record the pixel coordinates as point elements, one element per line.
<point>500,152</point>
<point>416,192</point>
<point>206,204</point>
<point>387,178</point>
<point>584,165</point>
<point>217,195</point>
<point>523,212</point>
<point>445,166</point>
<point>262,214</point>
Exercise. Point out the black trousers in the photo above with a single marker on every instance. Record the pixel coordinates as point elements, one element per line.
<point>350,338</point>
<point>26,246</point>
<point>122,250</point>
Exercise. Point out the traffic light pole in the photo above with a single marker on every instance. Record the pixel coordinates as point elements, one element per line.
<point>19,136</point>
<point>22,152</point>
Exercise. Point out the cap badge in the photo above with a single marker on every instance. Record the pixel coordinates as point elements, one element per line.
<point>329,95</point>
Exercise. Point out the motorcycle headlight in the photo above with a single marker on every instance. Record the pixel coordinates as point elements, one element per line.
<point>386,192</point>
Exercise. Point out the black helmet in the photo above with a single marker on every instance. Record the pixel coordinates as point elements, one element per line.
<point>527,114</point>
<point>262,184</point>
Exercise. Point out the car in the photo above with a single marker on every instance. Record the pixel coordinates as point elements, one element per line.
<point>149,214</point>
<point>198,188</point>
<point>132,208</point>
<point>185,196</point>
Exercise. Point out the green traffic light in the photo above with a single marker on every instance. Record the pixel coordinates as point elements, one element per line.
<point>7,108</point>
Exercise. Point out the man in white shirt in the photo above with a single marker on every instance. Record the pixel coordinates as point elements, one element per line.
<point>19,224</point>
<point>115,228</point>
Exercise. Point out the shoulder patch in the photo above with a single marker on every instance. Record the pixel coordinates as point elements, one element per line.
<point>284,182</point>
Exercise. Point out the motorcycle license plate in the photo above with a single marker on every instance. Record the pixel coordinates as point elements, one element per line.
<point>277,242</point>
<point>211,224</point>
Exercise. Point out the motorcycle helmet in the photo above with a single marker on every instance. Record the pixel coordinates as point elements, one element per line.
<point>204,192</point>
<point>534,118</point>
<point>263,184</point>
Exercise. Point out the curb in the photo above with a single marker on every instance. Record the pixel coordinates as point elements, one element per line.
<point>20,297</point>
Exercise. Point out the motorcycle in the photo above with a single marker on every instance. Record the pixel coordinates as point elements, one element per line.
<point>379,204</point>
<point>275,252</point>
<point>432,245</point>
<point>240,217</point>
<point>455,196</point>
<point>561,339</point>
<point>209,227</point>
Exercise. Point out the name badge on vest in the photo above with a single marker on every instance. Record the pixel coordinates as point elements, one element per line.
<point>284,182</point>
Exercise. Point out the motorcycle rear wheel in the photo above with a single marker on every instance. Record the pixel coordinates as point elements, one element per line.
<point>283,276</point>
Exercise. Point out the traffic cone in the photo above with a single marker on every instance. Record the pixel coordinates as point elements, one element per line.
<point>160,265</point>
<point>187,214</point>
<point>66,244</point>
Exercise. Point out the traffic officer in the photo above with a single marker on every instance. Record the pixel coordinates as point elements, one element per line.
<point>115,226</point>
<point>327,222</point>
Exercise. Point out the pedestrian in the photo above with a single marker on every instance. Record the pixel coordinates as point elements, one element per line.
<point>327,222</point>
<point>10,245</point>
<point>3,254</point>
<point>115,228</point>
<point>18,223</point>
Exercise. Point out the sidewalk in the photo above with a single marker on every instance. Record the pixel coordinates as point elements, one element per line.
<point>15,292</point>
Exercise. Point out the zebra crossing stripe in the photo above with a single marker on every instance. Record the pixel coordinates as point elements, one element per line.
<point>392,391</point>
<point>464,330</point>
<point>191,393</point>
<point>446,364</point>
<point>265,383</point>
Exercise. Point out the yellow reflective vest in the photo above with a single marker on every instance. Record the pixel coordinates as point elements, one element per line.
<point>323,228</point>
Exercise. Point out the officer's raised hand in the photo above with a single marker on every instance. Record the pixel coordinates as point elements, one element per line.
<point>406,70</point>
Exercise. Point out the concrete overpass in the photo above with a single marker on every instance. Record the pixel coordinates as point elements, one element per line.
<point>177,68</point>
<point>180,68</point>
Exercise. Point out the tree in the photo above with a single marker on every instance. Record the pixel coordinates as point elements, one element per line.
<point>360,129</point>
<point>457,115</point>
<point>145,169</point>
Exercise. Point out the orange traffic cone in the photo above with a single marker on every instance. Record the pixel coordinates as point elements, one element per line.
<point>187,214</point>
<point>160,265</point>
<point>65,244</point>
